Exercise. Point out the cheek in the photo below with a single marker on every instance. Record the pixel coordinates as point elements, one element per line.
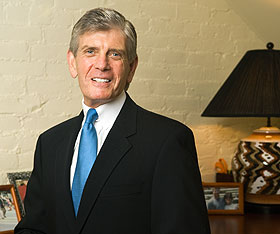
<point>84,67</point>
<point>121,79</point>
<point>122,72</point>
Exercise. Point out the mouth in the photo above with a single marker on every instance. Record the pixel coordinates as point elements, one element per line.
<point>101,80</point>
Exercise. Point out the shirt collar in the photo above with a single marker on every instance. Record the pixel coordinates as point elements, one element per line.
<point>108,112</point>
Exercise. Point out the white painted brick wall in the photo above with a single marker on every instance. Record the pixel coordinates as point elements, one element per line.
<point>186,50</point>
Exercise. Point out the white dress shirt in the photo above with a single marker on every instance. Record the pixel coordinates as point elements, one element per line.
<point>107,115</point>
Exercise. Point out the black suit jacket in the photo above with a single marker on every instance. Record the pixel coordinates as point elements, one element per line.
<point>145,180</point>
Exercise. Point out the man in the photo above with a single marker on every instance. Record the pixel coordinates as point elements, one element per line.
<point>145,178</point>
<point>216,202</point>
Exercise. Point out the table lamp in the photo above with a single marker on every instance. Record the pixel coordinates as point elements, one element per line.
<point>253,90</point>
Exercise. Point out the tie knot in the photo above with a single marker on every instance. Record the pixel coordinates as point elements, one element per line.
<point>91,116</point>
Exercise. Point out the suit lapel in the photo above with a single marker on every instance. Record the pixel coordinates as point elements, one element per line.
<point>113,150</point>
<point>63,163</point>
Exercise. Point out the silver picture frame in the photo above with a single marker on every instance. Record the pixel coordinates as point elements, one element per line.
<point>19,180</point>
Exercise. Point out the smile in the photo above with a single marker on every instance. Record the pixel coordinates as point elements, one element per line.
<point>99,80</point>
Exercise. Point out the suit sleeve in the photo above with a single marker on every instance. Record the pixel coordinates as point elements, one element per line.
<point>178,204</point>
<point>34,220</point>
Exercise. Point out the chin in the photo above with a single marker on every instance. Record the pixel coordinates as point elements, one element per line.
<point>97,101</point>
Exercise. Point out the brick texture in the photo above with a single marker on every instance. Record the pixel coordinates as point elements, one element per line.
<point>186,50</point>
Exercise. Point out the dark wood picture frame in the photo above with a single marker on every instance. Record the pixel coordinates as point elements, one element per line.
<point>9,201</point>
<point>224,197</point>
<point>16,179</point>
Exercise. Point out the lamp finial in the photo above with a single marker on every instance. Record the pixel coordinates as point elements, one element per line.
<point>269,45</point>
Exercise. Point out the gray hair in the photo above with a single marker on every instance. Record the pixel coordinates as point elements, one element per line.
<point>103,19</point>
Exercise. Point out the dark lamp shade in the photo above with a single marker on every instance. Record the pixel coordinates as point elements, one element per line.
<point>252,89</point>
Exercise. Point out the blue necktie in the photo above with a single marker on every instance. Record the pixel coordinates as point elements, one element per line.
<point>86,157</point>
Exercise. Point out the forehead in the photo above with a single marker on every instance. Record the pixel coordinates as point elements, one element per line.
<point>113,38</point>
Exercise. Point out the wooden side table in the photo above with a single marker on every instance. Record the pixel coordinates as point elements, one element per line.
<point>245,224</point>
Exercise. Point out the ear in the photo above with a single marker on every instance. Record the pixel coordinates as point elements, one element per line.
<point>133,65</point>
<point>72,64</point>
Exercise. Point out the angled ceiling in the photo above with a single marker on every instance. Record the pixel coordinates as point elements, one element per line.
<point>262,16</point>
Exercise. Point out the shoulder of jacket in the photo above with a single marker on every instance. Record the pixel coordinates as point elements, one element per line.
<point>156,120</point>
<point>64,126</point>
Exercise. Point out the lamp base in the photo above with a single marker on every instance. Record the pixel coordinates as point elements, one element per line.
<point>264,134</point>
<point>256,165</point>
<point>262,199</point>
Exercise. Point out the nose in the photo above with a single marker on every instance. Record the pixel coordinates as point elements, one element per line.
<point>101,62</point>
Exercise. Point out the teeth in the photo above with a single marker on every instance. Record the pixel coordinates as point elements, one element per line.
<point>101,80</point>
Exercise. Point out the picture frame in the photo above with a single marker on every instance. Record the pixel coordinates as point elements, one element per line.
<point>9,209</point>
<point>224,197</point>
<point>19,180</point>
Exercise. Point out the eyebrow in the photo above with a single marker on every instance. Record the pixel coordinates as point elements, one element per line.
<point>96,48</point>
<point>88,47</point>
<point>117,50</point>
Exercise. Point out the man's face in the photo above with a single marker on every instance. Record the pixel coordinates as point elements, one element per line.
<point>216,194</point>
<point>102,66</point>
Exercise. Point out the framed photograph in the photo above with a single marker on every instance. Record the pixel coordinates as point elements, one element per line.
<point>20,180</point>
<point>224,198</point>
<point>9,210</point>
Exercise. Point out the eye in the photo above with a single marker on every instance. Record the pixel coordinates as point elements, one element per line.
<point>90,52</point>
<point>115,55</point>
